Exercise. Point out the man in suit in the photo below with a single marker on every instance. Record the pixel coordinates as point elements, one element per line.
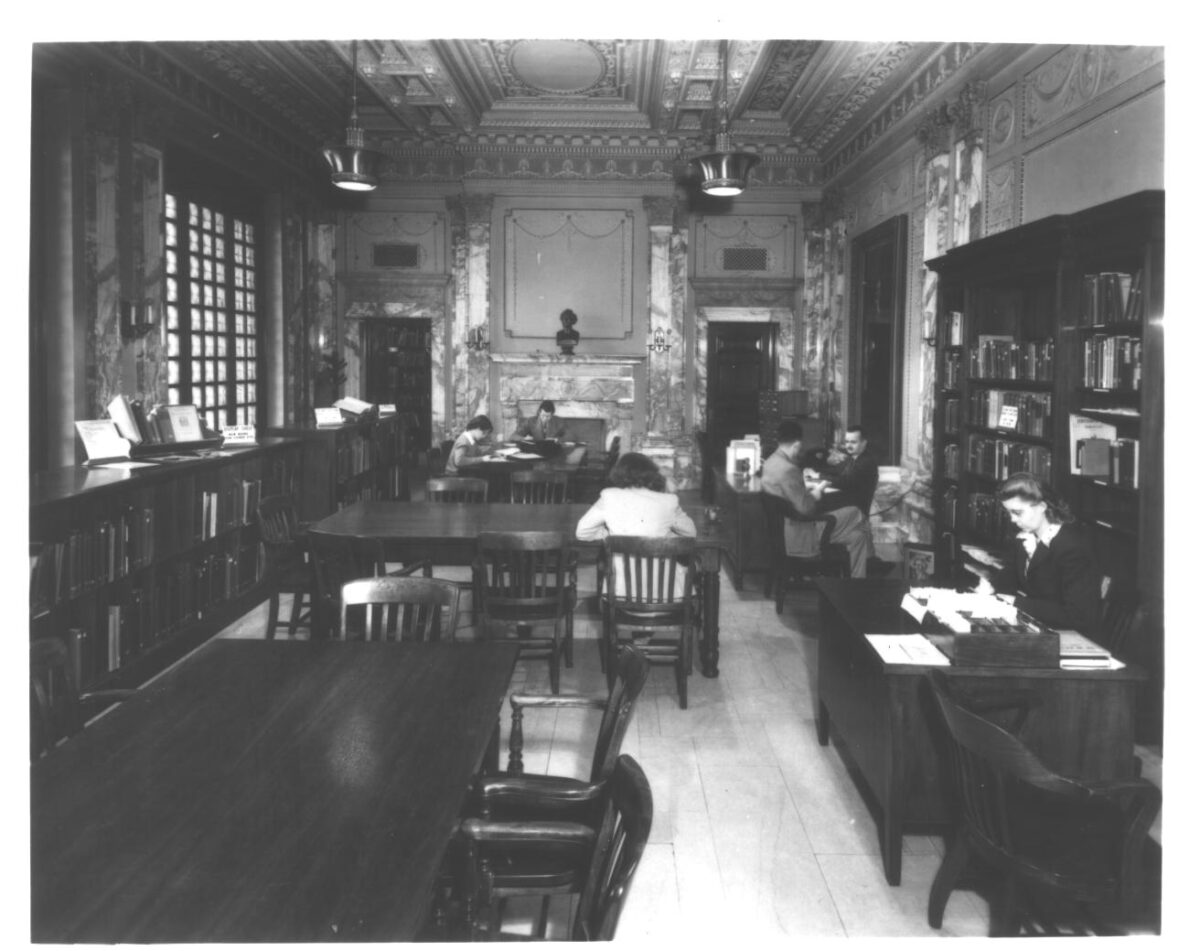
<point>542,426</point>
<point>854,472</point>
<point>782,476</point>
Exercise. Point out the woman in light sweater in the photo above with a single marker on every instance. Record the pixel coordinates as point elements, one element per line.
<point>635,503</point>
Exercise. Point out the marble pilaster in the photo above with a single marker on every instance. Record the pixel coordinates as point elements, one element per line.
<point>664,371</point>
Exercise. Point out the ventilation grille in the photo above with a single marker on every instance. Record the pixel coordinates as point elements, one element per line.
<point>744,259</point>
<point>397,255</point>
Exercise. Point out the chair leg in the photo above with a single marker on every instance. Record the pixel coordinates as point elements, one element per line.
<point>948,874</point>
<point>297,605</point>
<point>681,680</point>
<point>569,640</point>
<point>543,917</point>
<point>272,615</point>
<point>781,580</point>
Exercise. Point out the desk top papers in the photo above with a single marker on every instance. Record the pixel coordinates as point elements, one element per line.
<point>907,649</point>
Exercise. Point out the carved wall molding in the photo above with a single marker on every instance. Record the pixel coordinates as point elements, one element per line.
<point>660,212</point>
<point>709,292</point>
<point>1077,76</point>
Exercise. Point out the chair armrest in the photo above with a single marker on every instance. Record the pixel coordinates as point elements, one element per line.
<point>557,700</point>
<point>530,833</point>
<point>425,567</point>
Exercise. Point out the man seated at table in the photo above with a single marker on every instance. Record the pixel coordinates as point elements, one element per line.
<point>854,472</point>
<point>472,444</point>
<point>782,476</point>
<point>542,426</point>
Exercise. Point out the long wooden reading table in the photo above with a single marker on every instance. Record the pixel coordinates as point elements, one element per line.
<point>445,534</point>
<point>265,791</point>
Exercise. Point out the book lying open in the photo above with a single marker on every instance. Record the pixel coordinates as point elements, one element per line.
<point>105,446</point>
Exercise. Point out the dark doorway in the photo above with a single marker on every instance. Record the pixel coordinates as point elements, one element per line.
<point>877,272</point>
<point>741,363</point>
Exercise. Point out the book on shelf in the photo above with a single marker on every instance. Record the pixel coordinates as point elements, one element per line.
<point>1080,428</point>
<point>1092,458</point>
<point>104,445</point>
<point>179,423</point>
<point>1123,462</point>
<point>353,408</point>
<point>120,411</point>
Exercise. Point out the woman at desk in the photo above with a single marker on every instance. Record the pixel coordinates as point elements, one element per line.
<point>471,445</point>
<point>1053,572</point>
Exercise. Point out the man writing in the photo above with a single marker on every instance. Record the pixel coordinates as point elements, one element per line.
<point>782,476</point>
<point>542,426</point>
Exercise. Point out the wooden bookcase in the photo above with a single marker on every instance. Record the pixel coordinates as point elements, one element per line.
<point>358,460</point>
<point>399,370</point>
<point>1080,357</point>
<point>148,563</point>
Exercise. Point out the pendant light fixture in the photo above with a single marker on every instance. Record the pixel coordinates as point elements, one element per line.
<point>353,166</point>
<point>725,172</point>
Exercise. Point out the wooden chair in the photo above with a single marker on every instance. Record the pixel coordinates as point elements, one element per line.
<point>57,708</point>
<point>287,567</point>
<point>456,489</point>
<point>1046,835</point>
<point>591,477</point>
<point>523,796</point>
<point>507,859</point>
<point>399,608</point>
<point>539,486</point>
<point>524,580</point>
<point>782,568</point>
<point>648,586</point>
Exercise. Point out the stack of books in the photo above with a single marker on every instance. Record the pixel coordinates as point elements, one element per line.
<point>1076,652</point>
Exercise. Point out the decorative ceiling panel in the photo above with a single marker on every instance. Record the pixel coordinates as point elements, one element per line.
<point>803,97</point>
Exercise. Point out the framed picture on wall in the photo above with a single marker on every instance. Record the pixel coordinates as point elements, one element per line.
<point>920,564</point>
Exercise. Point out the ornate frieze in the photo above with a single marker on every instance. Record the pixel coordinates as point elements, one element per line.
<point>1076,76</point>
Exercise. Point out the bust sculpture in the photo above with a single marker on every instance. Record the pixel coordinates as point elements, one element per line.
<point>568,336</point>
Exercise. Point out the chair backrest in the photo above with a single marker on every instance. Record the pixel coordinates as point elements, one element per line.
<point>776,511</point>
<point>522,574</point>
<point>614,453</point>
<point>54,711</point>
<point>400,609</point>
<point>632,669</point>
<point>539,486</point>
<point>277,520</point>
<point>336,560</point>
<point>987,764</point>
<point>456,489</point>
<point>624,831</point>
<point>650,577</point>
<point>1123,618</point>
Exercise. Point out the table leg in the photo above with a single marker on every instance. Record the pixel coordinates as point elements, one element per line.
<point>710,592</point>
<point>822,723</point>
<point>892,845</point>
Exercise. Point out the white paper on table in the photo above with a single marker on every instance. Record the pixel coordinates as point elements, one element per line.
<point>124,464</point>
<point>506,451</point>
<point>525,455</point>
<point>907,649</point>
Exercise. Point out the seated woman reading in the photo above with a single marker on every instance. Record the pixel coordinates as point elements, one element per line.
<point>1052,574</point>
<point>471,445</point>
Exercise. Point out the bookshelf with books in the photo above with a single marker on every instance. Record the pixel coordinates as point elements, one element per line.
<point>149,562</point>
<point>1059,372</point>
<point>362,459</point>
<point>399,370</point>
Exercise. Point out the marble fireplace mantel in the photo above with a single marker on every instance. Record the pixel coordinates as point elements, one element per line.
<point>611,387</point>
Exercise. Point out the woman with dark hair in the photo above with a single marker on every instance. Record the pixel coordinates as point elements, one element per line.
<point>1053,571</point>
<point>470,446</point>
<point>635,503</point>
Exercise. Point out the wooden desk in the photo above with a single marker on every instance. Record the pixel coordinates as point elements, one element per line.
<point>445,534</point>
<point>265,791</point>
<point>1081,724</point>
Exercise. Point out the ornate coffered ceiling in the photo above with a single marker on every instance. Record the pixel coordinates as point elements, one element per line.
<point>806,100</point>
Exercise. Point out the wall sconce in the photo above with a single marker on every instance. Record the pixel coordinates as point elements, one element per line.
<point>477,338</point>
<point>659,343</point>
<point>137,319</point>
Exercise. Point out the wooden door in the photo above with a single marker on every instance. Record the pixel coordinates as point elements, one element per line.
<point>741,362</point>
<point>876,334</point>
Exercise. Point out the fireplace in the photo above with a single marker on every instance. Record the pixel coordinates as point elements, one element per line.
<point>587,386</point>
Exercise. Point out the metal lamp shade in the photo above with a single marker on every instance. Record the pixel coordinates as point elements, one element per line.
<point>352,167</point>
<point>725,173</point>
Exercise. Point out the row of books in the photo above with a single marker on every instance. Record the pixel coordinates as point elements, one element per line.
<point>1112,296</point>
<point>985,515</point>
<point>999,357</point>
<point>1019,410</point>
<point>148,613</point>
<point>948,505</point>
<point>952,329</point>
<point>1112,362</point>
<point>951,415</point>
<point>951,460</point>
<point>1000,458</point>
<point>952,364</point>
<point>113,547</point>
<point>1115,461</point>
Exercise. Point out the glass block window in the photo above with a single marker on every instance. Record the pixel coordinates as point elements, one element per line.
<point>212,307</point>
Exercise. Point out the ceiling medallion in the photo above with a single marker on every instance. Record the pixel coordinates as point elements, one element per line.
<point>562,67</point>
